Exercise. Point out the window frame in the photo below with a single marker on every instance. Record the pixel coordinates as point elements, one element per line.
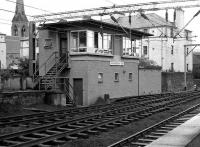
<point>77,48</point>
<point>48,43</point>
<point>116,77</point>
<point>146,50</point>
<point>96,42</point>
<point>100,80</point>
<point>128,48</point>
<point>130,76</point>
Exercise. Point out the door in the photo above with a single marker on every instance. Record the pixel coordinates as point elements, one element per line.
<point>63,47</point>
<point>78,91</point>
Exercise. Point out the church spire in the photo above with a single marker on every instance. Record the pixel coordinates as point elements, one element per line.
<point>20,12</point>
<point>20,21</point>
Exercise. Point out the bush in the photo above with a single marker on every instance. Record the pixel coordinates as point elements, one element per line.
<point>148,64</point>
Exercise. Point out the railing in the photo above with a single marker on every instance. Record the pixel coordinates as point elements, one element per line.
<point>53,60</point>
<point>48,64</point>
<point>62,83</point>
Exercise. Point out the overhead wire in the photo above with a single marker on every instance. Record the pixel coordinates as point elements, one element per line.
<point>28,6</point>
<point>12,12</point>
<point>49,11</point>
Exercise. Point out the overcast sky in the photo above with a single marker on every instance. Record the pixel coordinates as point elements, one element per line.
<point>67,5</point>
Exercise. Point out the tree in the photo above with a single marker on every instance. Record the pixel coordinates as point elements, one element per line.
<point>23,67</point>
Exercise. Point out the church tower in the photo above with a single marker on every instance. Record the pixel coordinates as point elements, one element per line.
<point>19,21</point>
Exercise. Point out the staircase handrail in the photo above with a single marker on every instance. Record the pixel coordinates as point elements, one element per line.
<point>67,92</point>
<point>58,61</point>
<point>35,76</point>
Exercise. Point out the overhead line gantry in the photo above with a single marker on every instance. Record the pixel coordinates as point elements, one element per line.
<point>120,9</point>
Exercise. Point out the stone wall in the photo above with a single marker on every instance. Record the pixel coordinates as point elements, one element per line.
<point>174,81</point>
<point>23,98</point>
<point>16,83</point>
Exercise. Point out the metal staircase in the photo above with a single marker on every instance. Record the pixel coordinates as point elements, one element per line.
<point>51,80</point>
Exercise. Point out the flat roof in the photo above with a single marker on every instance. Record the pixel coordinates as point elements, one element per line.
<point>94,24</point>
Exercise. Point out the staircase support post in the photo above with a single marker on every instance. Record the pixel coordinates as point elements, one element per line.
<point>55,83</point>
<point>39,84</point>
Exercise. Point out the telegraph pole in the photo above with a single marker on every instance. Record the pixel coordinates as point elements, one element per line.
<point>185,72</point>
<point>32,51</point>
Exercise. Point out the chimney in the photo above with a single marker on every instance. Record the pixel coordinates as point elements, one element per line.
<point>179,18</point>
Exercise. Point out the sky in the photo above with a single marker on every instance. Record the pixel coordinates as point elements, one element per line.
<point>67,5</point>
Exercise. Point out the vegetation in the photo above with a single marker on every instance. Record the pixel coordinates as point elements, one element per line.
<point>22,71</point>
<point>148,64</point>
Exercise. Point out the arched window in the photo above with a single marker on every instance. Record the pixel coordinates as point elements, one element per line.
<point>15,31</point>
<point>23,31</point>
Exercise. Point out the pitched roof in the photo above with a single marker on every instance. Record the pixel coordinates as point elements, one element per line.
<point>95,24</point>
<point>137,21</point>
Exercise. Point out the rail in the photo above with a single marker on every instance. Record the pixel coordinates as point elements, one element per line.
<point>64,130</point>
<point>136,136</point>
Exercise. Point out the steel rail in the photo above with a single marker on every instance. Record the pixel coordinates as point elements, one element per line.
<point>82,125</point>
<point>71,112</point>
<point>133,138</point>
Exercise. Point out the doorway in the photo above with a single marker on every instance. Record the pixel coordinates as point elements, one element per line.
<point>63,46</point>
<point>78,91</point>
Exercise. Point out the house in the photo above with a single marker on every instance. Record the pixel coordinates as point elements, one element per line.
<point>12,51</point>
<point>89,55</point>
<point>2,51</point>
<point>166,46</point>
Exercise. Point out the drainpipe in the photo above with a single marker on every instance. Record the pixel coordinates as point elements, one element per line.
<point>138,81</point>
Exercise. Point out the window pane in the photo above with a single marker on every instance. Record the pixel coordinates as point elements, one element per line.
<point>100,77</point>
<point>82,39</point>
<point>145,50</point>
<point>105,41</point>
<point>130,76</point>
<point>96,38</point>
<point>116,77</point>
<point>75,40</point>
<point>109,42</point>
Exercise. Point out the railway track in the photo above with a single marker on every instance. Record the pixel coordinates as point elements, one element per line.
<point>49,117</point>
<point>63,131</point>
<point>146,136</point>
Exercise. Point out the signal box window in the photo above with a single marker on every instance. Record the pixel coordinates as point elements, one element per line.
<point>100,77</point>
<point>116,77</point>
<point>130,76</point>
